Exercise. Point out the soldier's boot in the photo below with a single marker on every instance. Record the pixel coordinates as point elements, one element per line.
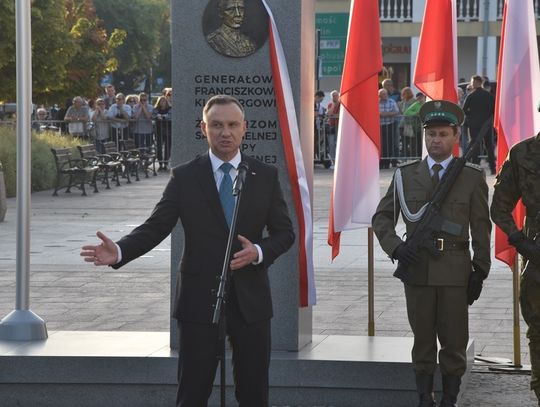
<point>450,385</point>
<point>424,387</point>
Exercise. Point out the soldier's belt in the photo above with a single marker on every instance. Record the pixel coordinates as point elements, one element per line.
<point>445,245</point>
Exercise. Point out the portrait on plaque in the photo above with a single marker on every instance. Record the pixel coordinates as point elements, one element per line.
<point>235,28</point>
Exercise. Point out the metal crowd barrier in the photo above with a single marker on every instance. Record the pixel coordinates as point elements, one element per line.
<point>402,140</point>
<point>153,134</point>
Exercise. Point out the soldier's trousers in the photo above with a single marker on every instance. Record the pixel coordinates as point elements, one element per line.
<point>529,299</point>
<point>438,312</point>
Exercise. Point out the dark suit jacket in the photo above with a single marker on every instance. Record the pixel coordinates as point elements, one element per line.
<point>191,197</point>
<point>479,105</point>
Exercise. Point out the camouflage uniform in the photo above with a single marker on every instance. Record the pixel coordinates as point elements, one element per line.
<point>520,178</point>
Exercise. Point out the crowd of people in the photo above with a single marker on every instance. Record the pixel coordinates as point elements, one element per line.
<point>400,124</point>
<point>114,117</point>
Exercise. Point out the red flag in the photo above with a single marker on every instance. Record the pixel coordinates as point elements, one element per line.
<point>295,163</point>
<point>518,91</point>
<point>356,176</point>
<point>435,73</point>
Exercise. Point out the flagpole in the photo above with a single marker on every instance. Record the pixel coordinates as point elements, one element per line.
<point>517,332</point>
<point>371,285</point>
<point>22,324</point>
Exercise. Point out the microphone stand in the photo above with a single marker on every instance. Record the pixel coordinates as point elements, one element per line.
<point>221,296</point>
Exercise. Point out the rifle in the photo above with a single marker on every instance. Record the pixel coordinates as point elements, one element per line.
<point>533,263</point>
<point>432,223</point>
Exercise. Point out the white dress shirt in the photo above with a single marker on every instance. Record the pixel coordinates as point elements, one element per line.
<point>445,163</point>
<point>218,176</point>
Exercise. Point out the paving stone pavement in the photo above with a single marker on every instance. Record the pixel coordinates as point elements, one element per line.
<point>71,295</point>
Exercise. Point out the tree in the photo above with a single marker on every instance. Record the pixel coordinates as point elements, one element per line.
<point>7,39</point>
<point>147,23</point>
<point>93,55</point>
<point>71,50</point>
<point>52,50</point>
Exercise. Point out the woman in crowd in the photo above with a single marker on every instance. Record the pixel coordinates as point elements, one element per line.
<point>101,125</point>
<point>142,125</point>
<point>162,116</point>
<point>77,117</point>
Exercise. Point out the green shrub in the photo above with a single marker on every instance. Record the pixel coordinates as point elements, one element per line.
<point>43,166</point>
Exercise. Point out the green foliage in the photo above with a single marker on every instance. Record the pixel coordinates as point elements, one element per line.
<point>7,36</point>
<point>71,50</point>
<point>94,50</point>
<point>147,24</point>
<point>43,166</point>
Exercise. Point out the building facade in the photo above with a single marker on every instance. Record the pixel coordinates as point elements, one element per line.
<point>478,28</point>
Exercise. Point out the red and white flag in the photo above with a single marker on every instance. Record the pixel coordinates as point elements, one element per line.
<point>295,163</point>
<point>435,73</point>
<point>356,189</point>
<point>518,92</point>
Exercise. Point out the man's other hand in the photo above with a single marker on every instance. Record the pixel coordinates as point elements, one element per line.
<point>525,246</point>
<point>246,256</point>
<point>474,288</point>
<point>104,254</point>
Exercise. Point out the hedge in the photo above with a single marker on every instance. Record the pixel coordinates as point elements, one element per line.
<point>43,166</point>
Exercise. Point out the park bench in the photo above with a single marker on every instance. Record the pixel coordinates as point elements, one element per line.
<point>129,160</point>
<point>77,171</point>
<point>107,165</point>
<point>147,155</point>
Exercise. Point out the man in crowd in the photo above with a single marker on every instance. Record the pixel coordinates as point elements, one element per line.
<point>519,178</point>
<point>393,93</point>
<point>199,194</point>
<point>388,111</point>
<point>479,106</point>
<point>119,115</point>
<point>110,96</point>
<point>319,112</point>
<point>439,288</point>
<point>333,124</point>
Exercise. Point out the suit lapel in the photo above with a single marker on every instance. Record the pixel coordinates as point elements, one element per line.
<point>207,182</point>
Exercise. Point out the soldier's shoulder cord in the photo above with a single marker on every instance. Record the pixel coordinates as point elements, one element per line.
<point>406,164</point>
<point>474,166</point>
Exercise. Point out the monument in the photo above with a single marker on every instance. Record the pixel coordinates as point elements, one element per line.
<point>225,50</point>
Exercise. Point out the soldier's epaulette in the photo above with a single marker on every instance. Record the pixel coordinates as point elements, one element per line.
<point>405,164</point>
<point>474,166</point>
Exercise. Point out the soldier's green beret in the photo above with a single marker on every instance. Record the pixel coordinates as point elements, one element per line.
<point>441,112</point>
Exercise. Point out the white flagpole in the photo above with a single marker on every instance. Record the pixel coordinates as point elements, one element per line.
<point>22,324</point>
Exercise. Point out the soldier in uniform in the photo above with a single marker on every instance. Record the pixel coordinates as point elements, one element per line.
<point>518,178</point>
<point>441,287</point>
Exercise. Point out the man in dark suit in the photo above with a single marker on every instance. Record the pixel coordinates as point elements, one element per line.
<point>479,106</point>
<point>441,287</point>
<point>193,197</point>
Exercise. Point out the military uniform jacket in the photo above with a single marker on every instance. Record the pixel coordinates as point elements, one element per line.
<point>518,178</point>
<point>466,204</point>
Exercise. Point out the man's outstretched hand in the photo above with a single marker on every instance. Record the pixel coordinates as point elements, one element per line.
<point>104,254</point>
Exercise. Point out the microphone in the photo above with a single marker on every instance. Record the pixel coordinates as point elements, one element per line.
<point>243,167</point>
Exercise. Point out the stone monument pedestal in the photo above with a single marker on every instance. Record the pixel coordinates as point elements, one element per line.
<point>138,369</point>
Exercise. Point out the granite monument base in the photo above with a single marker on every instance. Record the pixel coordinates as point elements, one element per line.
<point>138,369</point>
